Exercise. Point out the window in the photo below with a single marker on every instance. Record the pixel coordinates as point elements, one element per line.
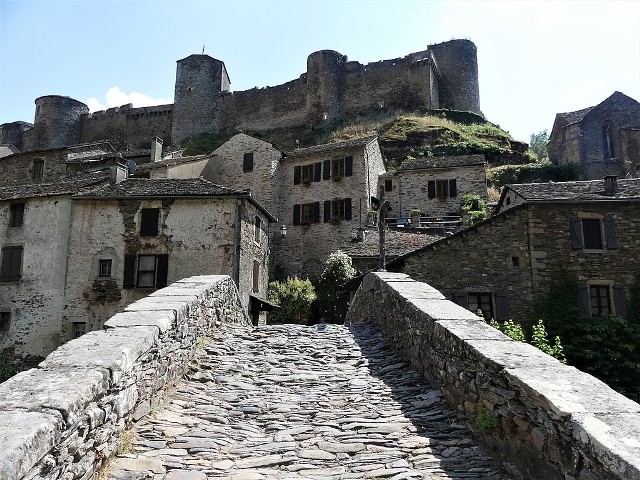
<point>515,261</point>
<point>256,276</point>
<point>338,209</point>
<point>145,271</point>
<point>247,162</point>
<point>16,214</point>
<point>37,169</point>
<point>104,267</point>
<point>337,169</point>
<point>442,189</point>
<point>5,320</point>
<point>149,221</point>
<point>388,185</point>
<point>11,264</point>
<point>79,329</point>
<point>607,141</point>
<point>257,226</point>
<point>307,174</point>
<point>307,213</point>
<point>481,301</point>
<point>600,300</point>
<point>591,231</point>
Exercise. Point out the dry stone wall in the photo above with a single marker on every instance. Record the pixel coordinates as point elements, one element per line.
<point>555,421</point>
<point>64,418</point>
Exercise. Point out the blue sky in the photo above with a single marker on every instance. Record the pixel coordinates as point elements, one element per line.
<point>535,58</point>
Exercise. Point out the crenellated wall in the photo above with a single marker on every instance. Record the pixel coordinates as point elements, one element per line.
<point>63,419</point>
<point>554,421</point>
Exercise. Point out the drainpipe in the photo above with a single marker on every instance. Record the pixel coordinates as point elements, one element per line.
<point>235,272</point>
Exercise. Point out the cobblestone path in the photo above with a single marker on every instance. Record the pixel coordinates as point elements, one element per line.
<point>321,402</point>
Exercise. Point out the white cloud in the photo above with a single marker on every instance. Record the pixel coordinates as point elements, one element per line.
<point>116,98</point>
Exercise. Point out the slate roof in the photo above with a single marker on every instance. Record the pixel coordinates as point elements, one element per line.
<point>397,243</point>
<point>162,187</point>
<point>330,147</point>
<point>442,162</point>
<point>169,162</point>
<point>577,116</point>
<point>580,191</point>
<point>67,186</point>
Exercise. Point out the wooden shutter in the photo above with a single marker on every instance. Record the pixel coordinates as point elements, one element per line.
<point>583,301</point>
<point>317,171</point>
<point>327,211</point>
<point>610,232</point>
<point>461,299</point>
<point>316,212</point>
<point>575,229</point>
<point>296,214</point>
<point>453,188</point>
<point>326,170</point>
<point>149,221</point>
<point>129,271</point>
<point>162,270</point>
<point>5,266</point>
<point>297,175</point>
<point>503,310</point>
<point>347,209</point>
<point>620,299</point>
<point>11,264</point>
<point>348,166</point>
<point>431,189</point>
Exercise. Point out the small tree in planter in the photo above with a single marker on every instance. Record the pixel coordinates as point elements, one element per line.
<point>473,208</point>
<point>294,296</point>
<point>332,295</point>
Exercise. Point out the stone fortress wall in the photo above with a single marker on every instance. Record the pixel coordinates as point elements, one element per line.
<point>331,90</point>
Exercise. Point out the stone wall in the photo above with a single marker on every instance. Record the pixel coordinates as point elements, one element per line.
<point>18,169</point>
<point>64,418</point>
<point>553,420</point>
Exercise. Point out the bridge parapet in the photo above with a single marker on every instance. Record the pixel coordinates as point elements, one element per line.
<point>64,418</point>
<point>553,420</point>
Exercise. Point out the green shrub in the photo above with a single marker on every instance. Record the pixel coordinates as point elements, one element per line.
<point>332,295</point>
<point>536,172</point>
<point>7,370</point>
<point>473,205</point>
<point>294,296</point>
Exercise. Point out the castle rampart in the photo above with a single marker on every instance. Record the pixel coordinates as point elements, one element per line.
<point>332,90</point>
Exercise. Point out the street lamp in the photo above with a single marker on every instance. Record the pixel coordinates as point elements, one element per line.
<point>283,231</point>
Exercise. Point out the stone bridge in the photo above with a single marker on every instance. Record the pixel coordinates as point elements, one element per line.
<point>181,387</point>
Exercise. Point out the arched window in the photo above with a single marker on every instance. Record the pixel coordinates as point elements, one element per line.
<point>607,141</point>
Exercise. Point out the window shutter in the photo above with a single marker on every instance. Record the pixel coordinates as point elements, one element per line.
<point>503,311</point>
<point>461,299</point>
<point>316,212</point>
<point>5,266</point>
<point>431,189</point>
<point>575,229</point>
<point>610,232</point>
<point>297,175</point>
<point>620,299</point>
<point>347,209</point>
<point>327,211</point>
<point>317,171</point>
<point>348,166</point>
<point>129,271</point>
<point>162,270</point>
<point>296,214</point>
<point>453,189</point>
<point>326,170</point>
<point>16,263</point>
<point>584,301</point>
<point>149,221</point>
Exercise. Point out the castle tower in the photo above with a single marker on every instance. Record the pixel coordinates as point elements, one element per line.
<point>12,133</point>
<point>200,82</point>
<point>457,61</point>
<point>325,86</point>
<point>56,123</point>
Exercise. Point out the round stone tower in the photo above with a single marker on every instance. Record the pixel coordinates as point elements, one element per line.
<point>325,86</point>
<point>200,82</point>
<point>457,61</point>
<point>56,124</point>
<point>13,132</point>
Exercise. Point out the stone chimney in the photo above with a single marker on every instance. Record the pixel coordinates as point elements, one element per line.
<point>156,149</point>
<point>118,173</point>
<point>610,184</point>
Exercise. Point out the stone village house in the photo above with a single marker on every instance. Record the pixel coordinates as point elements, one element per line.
<point>602,140</point>
<point>588,229</point>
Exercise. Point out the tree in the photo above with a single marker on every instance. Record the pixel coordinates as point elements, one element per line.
<point>538,144</point>
<point>294,296</point>
<point>473,205</point>
<point>332,294</point>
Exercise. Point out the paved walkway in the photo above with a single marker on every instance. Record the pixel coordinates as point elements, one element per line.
<point>321,402</point>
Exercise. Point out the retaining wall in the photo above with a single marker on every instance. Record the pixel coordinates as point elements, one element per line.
<point>552,420</point>
<point>63,419</point>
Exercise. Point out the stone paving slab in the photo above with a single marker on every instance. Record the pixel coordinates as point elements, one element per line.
<point>294,402</point>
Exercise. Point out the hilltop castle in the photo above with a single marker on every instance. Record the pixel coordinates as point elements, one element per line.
<point>332,89</point>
